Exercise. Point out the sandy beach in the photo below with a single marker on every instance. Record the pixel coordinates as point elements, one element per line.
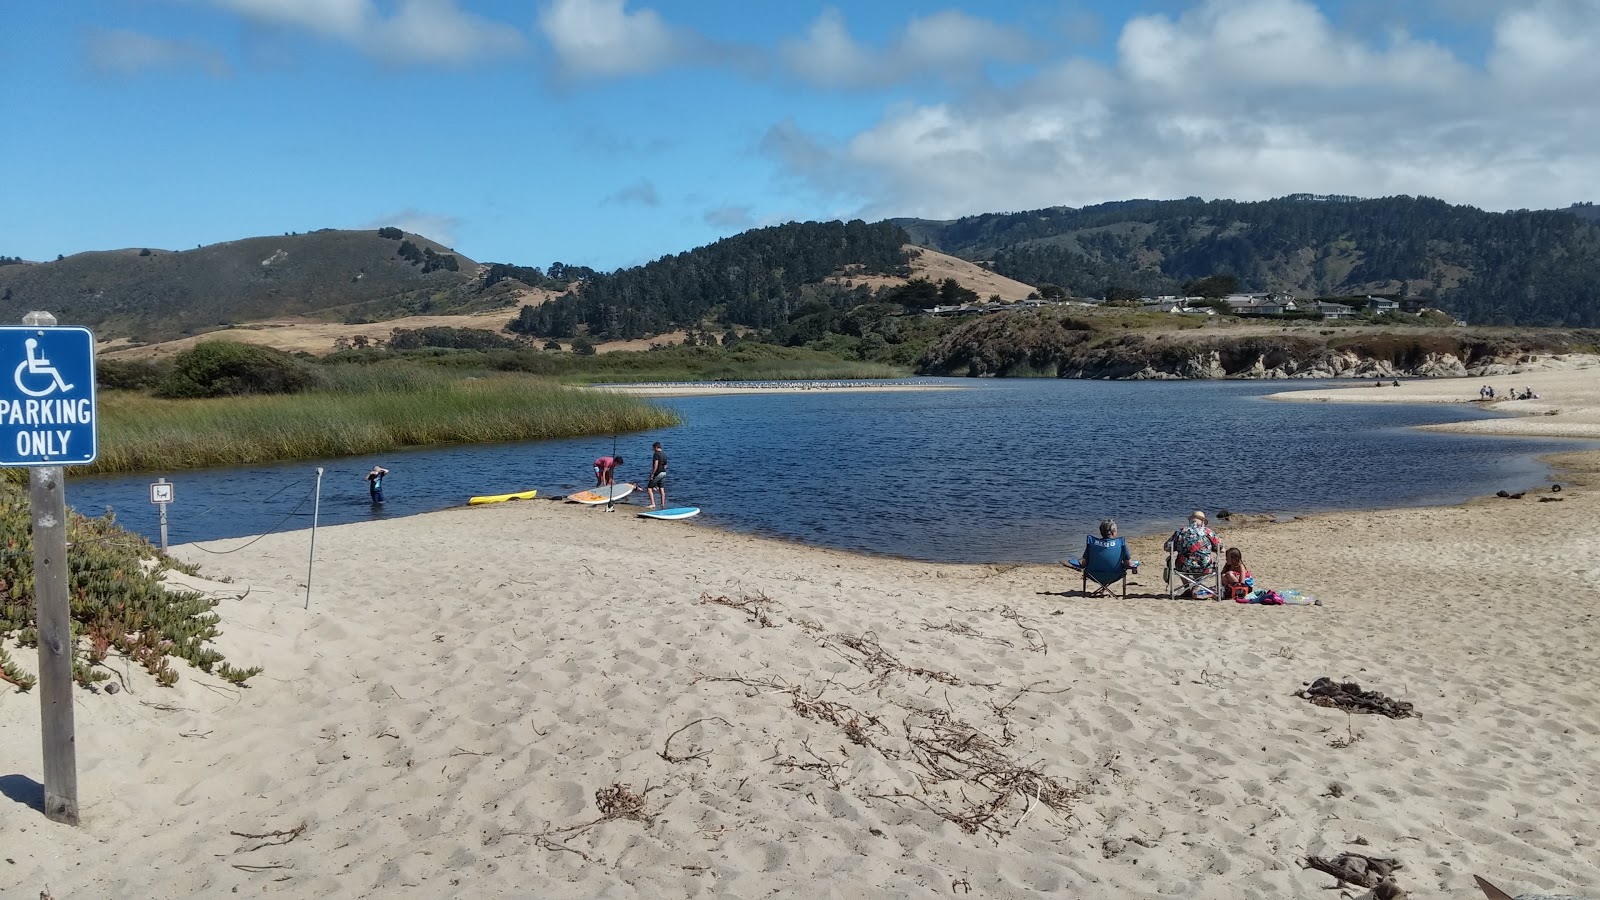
<point>545,700</point>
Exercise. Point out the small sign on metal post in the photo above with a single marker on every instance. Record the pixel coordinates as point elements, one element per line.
<point>47,421</point>
<point>161,495</point>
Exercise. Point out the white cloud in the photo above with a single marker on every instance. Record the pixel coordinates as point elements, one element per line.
<point>943,44</point>
<point>329,18</point>
<point>601,38</point>
<point>116,51</point>
<point>640,193</point>
<point>1550,45</point>
<point>1245,99</point>
<point>1264,44</point>
<point>439,228</point>
<point>417,31</point>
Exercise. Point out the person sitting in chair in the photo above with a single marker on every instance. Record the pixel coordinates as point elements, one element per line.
<point>1195,546</point>
<point>1108,535</point>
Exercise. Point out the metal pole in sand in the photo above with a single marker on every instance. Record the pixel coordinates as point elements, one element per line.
<point>316,506</point>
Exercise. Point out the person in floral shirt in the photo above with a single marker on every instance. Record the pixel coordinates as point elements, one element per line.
<point>1196,546</point>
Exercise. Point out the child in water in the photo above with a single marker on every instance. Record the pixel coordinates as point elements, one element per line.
<point>1236,579</point>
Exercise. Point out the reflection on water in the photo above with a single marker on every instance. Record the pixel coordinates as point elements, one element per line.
<point>1002,470</point>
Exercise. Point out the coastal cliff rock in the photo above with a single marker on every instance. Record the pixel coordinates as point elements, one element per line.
<point>1046,343</point>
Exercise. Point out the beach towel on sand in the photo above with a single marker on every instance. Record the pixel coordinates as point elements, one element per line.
<point>1290,597</point>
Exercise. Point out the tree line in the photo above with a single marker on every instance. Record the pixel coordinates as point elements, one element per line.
<point>1520,267</point>
<point>757,279</point>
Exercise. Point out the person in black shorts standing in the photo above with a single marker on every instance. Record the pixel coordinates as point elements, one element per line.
<point>658,476</point>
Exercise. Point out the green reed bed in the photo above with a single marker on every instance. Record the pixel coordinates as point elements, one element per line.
<point>749,361</point>
<point>777,370</point>
<point>358,411</point>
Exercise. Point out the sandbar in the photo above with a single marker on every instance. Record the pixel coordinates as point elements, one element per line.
<point>1568,404</point>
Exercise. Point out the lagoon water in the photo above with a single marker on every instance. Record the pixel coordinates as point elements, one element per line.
<point>993,471</point>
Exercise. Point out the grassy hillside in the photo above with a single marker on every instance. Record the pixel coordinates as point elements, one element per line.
<point>1523,267</point>
<point>152,294</point>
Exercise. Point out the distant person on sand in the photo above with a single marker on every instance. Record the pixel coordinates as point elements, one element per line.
<point>658,476</point>
<point>1195,544</point>
<point>605,468</point>
<point>375,484</point>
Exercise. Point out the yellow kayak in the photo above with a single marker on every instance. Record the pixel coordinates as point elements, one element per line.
<point>501,498</point>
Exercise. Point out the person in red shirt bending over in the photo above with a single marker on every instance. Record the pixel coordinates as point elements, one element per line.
<point>604,468</point>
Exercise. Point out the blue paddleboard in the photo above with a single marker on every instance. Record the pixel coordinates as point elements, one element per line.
<point>676,512</point>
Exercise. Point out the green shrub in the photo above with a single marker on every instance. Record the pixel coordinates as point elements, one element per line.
<point>119,603</point>
<point>129,374</point>
<point>229,368</point>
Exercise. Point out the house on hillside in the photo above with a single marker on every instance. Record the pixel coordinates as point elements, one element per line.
<point>1263,304</point>
<point>1335,310</point>
<point>1382,305</point>
<point>1164,304</point>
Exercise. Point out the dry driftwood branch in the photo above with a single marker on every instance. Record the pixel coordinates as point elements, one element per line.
<point>1351,734</point>
<point>615,802</point>
<point>756,607</point>
<point>270,838</point>
<point>666,749</point>
<point>867,653</point>
<point>1000,709</point>
<point>965,630</point>
<point>828,769</point>
<point>956,753</point>
<point>1030,632</point>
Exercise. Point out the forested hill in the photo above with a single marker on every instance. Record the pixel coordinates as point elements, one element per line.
<point>151,294</point>
<point>759,279</point>
<point>1525,268</point>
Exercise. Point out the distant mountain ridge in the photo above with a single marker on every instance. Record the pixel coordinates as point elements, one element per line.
<point>1522,267</point>
<point>153,294</point>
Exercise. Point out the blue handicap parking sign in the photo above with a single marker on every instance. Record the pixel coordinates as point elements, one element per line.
<point>47,411</point>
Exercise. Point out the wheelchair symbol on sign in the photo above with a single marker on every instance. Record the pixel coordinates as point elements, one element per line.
<point>37,365</point>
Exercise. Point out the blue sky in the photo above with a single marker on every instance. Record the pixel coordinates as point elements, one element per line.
<point>610,132</point>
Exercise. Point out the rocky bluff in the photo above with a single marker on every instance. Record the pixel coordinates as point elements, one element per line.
<point>1049,344</point>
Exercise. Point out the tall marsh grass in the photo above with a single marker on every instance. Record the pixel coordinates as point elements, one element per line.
<point>359,410</point>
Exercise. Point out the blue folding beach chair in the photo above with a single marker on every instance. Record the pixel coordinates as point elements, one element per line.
<point>1102,564</point>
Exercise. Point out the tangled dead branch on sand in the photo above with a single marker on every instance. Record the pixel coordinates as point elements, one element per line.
<point>965,630</point>
<point>757,607</point>
<point>666,749</point>
<point>615,802</point>
<point>870,655</point>
<point>957,757</point>
<point>857,726</point>
<point>973,778</point>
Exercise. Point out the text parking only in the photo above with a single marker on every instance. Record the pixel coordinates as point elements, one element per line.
<point>47,411</point>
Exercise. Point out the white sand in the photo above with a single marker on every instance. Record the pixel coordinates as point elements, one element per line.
<point>468,680</point>
<point>1568,388</point>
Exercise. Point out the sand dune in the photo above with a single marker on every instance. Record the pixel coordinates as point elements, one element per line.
<point>454,713</point>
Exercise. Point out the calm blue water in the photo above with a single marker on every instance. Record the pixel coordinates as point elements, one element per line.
<point>999,470</point>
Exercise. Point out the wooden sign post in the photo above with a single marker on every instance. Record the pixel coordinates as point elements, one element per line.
<point>53,618</point>
<point>49,422</point>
